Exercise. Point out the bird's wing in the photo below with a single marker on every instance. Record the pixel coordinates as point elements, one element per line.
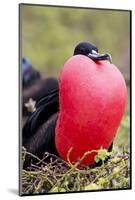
<point>42,141</point>
<point>46,107</point>
<point>41,88</point>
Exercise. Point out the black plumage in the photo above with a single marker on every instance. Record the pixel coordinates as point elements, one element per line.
<point>39,131</point>
<point>38,90</point>
<point>34,85</point>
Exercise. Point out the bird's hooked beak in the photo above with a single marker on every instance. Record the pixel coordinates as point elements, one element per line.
<point>97,56</point>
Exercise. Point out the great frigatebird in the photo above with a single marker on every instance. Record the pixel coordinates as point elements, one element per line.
<point>39,131</point>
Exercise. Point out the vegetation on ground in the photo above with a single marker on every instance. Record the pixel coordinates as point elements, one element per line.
<point>59,176</point>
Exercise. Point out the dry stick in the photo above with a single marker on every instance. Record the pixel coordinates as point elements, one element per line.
<point>73,166</point>
<point>31,172</point>
<point>55,161</point>
<point>31,186</point>
<point>46,156</point>
<point>81,159</point>
<point>37,188</point>
<point>32,155</point>
<point>40,183</point>
<point>41,161</point>
<point>37,172</point>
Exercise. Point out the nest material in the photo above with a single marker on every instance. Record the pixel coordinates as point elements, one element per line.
<point>59,176</point>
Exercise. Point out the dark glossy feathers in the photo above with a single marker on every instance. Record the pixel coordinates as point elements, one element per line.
<point>39,130</point>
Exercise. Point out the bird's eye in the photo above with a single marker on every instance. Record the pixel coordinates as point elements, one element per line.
<point>93,51</point>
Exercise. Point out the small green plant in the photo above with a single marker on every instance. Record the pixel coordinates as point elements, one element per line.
<point>102,155</point>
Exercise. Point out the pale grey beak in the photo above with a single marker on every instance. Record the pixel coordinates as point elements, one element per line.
<point>97,56</point>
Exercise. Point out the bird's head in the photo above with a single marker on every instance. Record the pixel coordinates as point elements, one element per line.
<point>25,65</point>
<point>29,74</point>
<point>91,51</point>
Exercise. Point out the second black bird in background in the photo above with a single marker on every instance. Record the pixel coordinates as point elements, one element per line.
<point>34,86</point>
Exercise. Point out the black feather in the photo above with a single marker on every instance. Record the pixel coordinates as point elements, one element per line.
<point>38,90</point>
<point>42,141</point>
<point>48,106</point>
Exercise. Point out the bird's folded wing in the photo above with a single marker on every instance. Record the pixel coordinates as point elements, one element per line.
<point>47,106</point>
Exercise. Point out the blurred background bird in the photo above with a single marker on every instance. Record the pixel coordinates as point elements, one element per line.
<point>34,86</point>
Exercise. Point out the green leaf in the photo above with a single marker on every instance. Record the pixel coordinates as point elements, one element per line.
<point>55,189</point>
<point>102,181</point>
<point>102,155</point>
<point>92,186</point>
<point>62,190</point>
